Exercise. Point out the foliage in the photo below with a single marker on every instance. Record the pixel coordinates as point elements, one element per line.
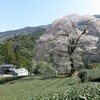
<point>38,33</point>
<point>89,74</point>
<point>77,92</point>
<point>44,68</point>
<point>50,89</point>
<point>18,51</point>
<point>93,74</point>
<point>94,65</point>
<point>83,75</point>
<point>7,52</point>
<point>9,79</point>
<point>80,67</point>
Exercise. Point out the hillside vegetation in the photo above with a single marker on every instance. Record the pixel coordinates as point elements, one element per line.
<point>23,31</point>
<point>30,88</point>
<point>20,49</point>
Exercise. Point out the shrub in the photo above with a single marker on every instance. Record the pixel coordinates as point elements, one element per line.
<point>89,75</point>
<point>94,74</point>
<point>8,79</point>
<point>94,65</point>
<point>44,68</point>
<point>83,75</point>
<point>80,67</point>
<point>36,70</point>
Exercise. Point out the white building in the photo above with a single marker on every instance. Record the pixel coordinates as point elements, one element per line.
<point>20,72</point>
<point>10,69</point>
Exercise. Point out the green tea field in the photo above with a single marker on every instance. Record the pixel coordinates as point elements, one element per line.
<point>63,88</point>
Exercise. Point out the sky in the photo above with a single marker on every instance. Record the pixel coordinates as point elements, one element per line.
<point>16,14</point>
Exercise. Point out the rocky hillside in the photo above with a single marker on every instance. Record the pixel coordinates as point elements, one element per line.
<point>23,31</point>
<point>53,45</point>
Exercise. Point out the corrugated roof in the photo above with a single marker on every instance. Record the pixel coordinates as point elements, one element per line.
<point>20,70</point>
<point>7,65</point>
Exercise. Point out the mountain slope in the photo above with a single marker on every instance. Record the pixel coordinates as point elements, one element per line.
<point>23,31</point>
<point>97,16</point>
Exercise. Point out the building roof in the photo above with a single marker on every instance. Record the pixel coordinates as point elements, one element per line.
<point>7,65</point>
<point>20,70</point>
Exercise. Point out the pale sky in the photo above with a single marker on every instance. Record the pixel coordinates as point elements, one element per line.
<point>94,7</point>
<point>16,14</point>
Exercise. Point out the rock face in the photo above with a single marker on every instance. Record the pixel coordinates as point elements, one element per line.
<point>53,45</point>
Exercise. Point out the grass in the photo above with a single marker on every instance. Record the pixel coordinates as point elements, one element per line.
<point>35,88</point>
<point>26,88</point>
<point>94,74</point>
<point>9,79</point>
<point>60,87</point>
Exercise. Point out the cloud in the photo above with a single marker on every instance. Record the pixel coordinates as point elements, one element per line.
<point>94,7</point>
